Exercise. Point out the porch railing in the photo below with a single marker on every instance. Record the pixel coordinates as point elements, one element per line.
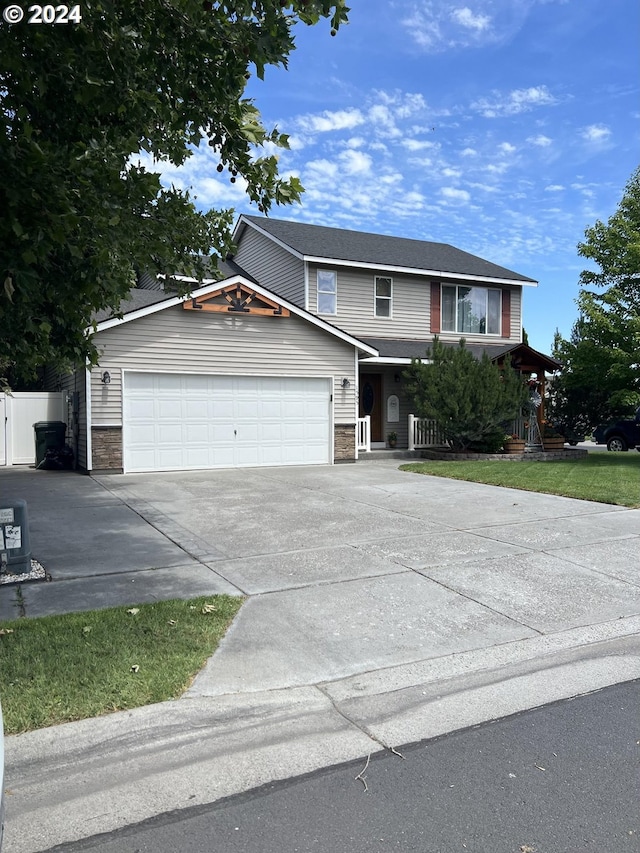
<point>364,433</point>
<point>424,433</point>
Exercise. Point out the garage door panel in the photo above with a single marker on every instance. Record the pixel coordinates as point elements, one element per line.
<point>167,383</point>
<point>174,422</point>
<point>198,408</point>
<point>169,434</point>
<point>197,433</point>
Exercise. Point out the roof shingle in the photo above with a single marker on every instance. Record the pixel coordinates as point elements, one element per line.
<point>320,241</point>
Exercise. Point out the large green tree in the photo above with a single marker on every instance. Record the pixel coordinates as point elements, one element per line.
<point>79,214</point>
<point>472,400</point>
<point>601,359</point>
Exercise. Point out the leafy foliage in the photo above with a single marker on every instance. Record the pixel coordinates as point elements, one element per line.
<point>471,399</point>
<point>79,214</point>
<point>601,374</point>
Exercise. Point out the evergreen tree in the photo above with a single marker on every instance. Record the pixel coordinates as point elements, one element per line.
<point>472,400</point>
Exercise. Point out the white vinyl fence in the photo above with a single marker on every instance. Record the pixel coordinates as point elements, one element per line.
<point>424,433</point>
<point>19,411</point>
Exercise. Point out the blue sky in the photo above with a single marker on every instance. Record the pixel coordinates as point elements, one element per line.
<point>503,127</point>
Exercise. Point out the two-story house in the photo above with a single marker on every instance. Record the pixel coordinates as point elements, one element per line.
<point>281,361</point>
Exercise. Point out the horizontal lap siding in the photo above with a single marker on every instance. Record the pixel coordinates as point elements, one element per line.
<point>411,307</point>
<point>356,304</point>
<point>70,382</point>
<point>179,341</point>
<point>272,266</point>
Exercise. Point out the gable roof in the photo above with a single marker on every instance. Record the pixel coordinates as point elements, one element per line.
<point>144,302</point>
<point>337,245</point>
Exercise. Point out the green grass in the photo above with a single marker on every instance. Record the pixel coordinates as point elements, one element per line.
<point>611,478</point>
<point>62,668</point>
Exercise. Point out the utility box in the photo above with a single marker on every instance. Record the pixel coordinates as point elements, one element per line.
<point>49,435</point>
<point>15,546</point>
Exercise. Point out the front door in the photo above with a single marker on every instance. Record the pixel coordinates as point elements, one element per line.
<point>371,402</point>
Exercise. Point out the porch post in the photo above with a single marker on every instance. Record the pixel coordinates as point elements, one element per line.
<point>412,443</point>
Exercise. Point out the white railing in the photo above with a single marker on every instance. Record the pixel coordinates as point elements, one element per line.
<point>424,433</point>
<point>363,427</point>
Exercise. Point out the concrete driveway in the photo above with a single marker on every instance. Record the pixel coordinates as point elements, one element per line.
<point>347,569</point>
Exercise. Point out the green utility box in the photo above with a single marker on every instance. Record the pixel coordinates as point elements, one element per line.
<point>50,435</point>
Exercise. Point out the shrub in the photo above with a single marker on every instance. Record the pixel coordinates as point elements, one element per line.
<point>470,399</point>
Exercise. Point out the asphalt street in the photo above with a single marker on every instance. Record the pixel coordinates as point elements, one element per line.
<point>558,779</point>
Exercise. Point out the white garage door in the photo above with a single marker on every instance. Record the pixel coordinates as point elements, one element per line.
<point>175,422</point>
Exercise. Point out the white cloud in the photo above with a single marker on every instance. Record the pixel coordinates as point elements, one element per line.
<point>507,148</point>
<point>402,104</point>
<point>541,140</point>
<point>469,152</point>
<point>486,188</point>
<point>554,188</point>
<point>451,194</point>
<point>596,133</point>
<point>296,143</point>
<point>467,19</point>
<point>328,121</point>
<point>435,27</point>
<point>323,168</point>
<point>497,168</point>
<point>424,30</point>
<point>515,102</point>
<point>355,162</point>
<point>417,144</point>
<point>383,121</point>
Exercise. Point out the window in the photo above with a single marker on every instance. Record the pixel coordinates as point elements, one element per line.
<point>383,287</point>
<point>471,310</point>
<point>327,292</point>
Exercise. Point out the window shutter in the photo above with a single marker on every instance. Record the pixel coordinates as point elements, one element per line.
<point>435,308</point>
<point>506,313</point>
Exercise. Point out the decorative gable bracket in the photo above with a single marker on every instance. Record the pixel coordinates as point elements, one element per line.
<point>237,299</point>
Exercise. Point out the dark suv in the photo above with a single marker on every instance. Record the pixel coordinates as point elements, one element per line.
<point>619,435</point>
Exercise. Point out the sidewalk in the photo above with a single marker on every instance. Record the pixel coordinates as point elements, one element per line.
<point>383,608</point>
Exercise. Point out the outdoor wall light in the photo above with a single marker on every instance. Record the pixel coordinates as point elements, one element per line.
<point>396,378</point>
<point>106,378</point>
<point>345,383</point>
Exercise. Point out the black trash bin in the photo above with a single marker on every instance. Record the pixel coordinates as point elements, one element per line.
<point>50,435</point>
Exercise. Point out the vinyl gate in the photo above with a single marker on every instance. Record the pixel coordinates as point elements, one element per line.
<point>18,413</point>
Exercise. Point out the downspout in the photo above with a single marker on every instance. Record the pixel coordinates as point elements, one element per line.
<point>88,414</point>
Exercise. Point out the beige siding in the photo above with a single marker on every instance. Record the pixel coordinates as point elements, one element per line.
<point>356,304</point>
<point>411,310</point>
<point>179,341</point>
<point>105,399</point>
<point>76,428</point>
<point>272,266</point>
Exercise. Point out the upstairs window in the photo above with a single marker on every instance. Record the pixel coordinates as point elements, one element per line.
<point>327,282</point>
<point>471,310</point>
<point>384,288</point>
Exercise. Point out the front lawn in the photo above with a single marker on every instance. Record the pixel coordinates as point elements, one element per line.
<point>611,478</point>
<point>62,668</point>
